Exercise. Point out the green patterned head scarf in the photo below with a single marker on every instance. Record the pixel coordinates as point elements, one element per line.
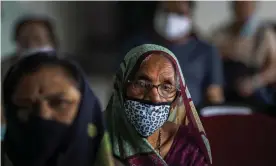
<point>126,141</point>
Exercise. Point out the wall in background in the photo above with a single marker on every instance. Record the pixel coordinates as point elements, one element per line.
<point>210,14</point>
<point>74,20</point>
<point>11,11</point>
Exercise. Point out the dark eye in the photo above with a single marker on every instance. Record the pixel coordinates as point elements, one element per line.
<point>141,84</point>
<point>59,103</point>
<point>167,87</point>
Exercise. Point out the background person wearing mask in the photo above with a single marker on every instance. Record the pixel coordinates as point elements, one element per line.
<point>31,34</point>
<point>173,28</point>
<point>249,53</point>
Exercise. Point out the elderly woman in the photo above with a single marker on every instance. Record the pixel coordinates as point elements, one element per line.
<point>173,27</point>
<point>151,117</point>
<point>53,117</point>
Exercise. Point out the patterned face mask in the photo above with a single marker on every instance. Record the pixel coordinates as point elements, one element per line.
<point>146,117</point>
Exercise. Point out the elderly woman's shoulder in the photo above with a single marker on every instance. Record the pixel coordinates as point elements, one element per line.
<point>184,137</point>
<point>180,131</point>
<point>183,133</point>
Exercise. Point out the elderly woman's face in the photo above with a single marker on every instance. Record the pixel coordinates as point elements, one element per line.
<point>156,70</point>
<point>48,93</point>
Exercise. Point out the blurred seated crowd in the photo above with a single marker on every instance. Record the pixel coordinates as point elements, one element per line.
<point>233,66</point>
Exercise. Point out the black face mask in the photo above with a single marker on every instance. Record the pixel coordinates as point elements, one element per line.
<point>40,144</point>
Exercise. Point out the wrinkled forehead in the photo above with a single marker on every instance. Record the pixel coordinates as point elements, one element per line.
<point>154,60</point>
<point>137,54</point>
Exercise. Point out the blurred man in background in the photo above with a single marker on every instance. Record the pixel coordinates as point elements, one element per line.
<point>173,27</point>
<point>31,34</point>
<point>249,53</point>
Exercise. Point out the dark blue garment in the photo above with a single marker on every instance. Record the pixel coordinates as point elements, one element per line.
<point>199,61</point>
<point>266,95</point>
<point>79,148</point>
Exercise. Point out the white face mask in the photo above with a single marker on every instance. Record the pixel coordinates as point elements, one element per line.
<point>31,51</point>
<point>171,25</point>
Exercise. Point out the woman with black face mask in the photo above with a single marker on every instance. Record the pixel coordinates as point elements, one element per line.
<point>53,117</point>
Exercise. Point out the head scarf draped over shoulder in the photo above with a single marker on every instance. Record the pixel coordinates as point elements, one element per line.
<point>88,143</point>
<point>126,141</point>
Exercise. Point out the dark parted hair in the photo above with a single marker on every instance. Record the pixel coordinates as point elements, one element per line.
<point>45,21</point>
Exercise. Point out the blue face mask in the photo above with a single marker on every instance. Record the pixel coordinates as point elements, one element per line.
<point>146,117</point>
<point>3,131</point>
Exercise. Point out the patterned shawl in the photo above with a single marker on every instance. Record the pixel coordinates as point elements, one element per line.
<point>126,141</point>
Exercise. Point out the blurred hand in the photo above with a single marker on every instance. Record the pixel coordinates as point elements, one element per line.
<point>247,86</point>
<point>244,88</point>
<point>215,94</point>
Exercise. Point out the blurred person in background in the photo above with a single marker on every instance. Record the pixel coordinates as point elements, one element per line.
<point>268,94</point>
<point>53,117</point>
<point>151,116</point>
<point>31,34</point>
<point>173,27</point>
<point>249,52</point>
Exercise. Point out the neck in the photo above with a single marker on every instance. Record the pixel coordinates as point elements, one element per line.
<point>168,131</point>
